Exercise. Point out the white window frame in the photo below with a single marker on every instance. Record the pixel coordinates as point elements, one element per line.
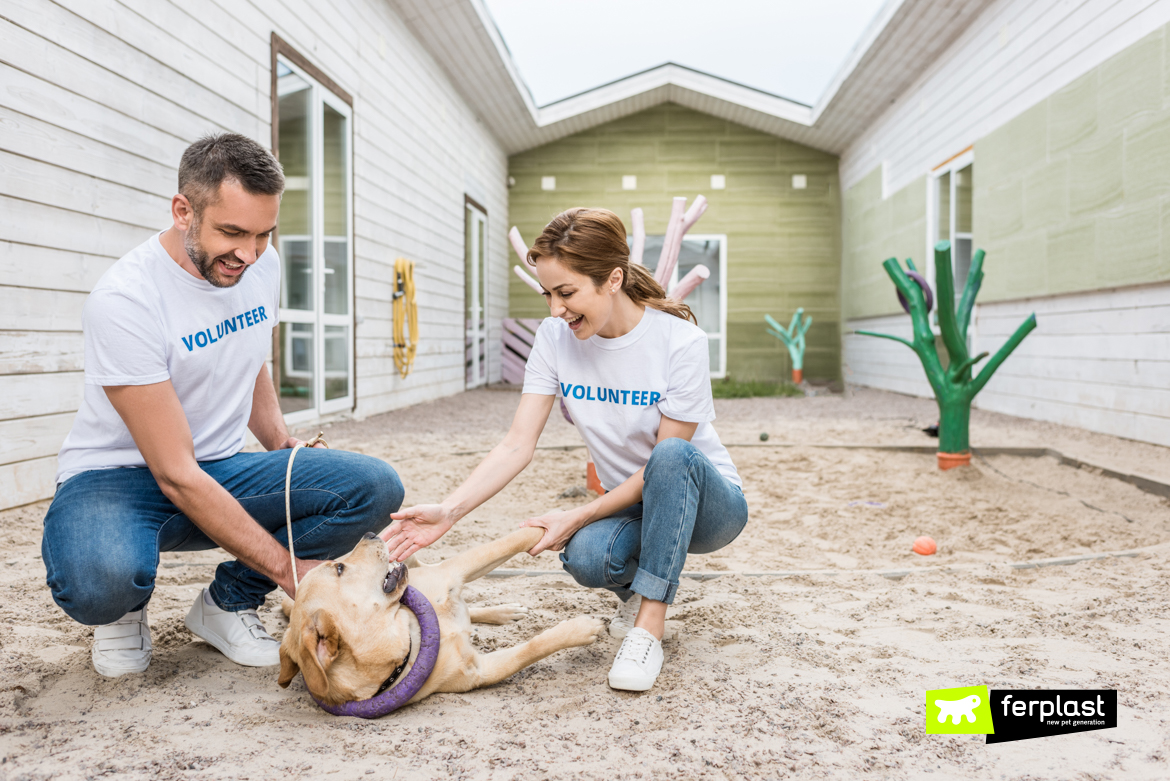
<point>320,95</point>
<point>721,335</point>
<point>479,277</point>
<point>952,167</point>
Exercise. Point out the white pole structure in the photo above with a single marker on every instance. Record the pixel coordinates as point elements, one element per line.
<point>518,245</point>
<point>671,242</point>
<point>639,223</point>
<point>521,250</point>
<point>528,280</point>
<point>697,276</point>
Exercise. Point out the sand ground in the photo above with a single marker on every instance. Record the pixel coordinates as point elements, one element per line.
<point>813,675</point>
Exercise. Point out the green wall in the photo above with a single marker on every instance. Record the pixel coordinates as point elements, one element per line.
<point>876,229</point>
<point>1071,195</point>
<point>783,245</point>
<point>1074,194</point>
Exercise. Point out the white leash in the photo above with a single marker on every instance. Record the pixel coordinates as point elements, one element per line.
<point>320,438</point>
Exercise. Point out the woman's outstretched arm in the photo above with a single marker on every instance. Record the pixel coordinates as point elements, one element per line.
<point>560,526</point>
<point>414,528</point>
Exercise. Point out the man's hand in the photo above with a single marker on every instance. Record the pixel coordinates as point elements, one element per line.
<point>292,442</point>
<point>304,567</point>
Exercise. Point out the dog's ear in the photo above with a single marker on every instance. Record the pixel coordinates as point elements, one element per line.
<point>288,665</point>
<point>319,643</point>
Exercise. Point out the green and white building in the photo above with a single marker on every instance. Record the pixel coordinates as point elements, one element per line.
<point>1038,131</point>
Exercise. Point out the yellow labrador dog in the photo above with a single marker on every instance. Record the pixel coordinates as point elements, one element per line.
<point>348,632</point>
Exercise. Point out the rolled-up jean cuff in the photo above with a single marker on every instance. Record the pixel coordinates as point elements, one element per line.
<point>653,587</point>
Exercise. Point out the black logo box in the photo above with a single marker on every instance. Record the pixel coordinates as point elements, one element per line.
<point>1026,714</point>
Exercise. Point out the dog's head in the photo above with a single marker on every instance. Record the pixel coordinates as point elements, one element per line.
<point>347,631</point>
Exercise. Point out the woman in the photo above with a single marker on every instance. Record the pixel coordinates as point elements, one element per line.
<point>634,373</point>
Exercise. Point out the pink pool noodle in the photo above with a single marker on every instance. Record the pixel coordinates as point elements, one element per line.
<point>694,213</point>
<point>687,284</point>
<point>671,243</point>
<point>528,280</point>
<point>639,223</point>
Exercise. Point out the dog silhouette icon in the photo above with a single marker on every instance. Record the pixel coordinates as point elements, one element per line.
<point>957,710</point>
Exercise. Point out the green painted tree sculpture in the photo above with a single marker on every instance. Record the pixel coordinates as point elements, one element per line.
<point>793,338</point>
<point>954,386</point>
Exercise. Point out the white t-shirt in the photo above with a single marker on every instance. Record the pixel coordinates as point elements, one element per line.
<point>149,320</point>
<point>618,389</point>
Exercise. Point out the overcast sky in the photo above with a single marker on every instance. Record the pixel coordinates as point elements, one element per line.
<point>790,48</point>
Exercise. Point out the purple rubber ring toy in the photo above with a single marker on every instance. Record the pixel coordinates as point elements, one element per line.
<point>400,693</point>
<point>926,291</point>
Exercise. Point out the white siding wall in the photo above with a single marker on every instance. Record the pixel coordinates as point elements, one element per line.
<point>1015,54</point>
<point>883,363</point>
<point>99,99</point>
<point>1098,360</point>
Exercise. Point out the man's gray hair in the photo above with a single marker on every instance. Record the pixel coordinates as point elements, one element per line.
<point>213,159</point>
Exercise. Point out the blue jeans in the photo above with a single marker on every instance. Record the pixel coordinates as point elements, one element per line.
<point>106,527</point>
<point>686,507</point>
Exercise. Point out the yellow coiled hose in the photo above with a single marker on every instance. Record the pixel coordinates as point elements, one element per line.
<point>405,313</point>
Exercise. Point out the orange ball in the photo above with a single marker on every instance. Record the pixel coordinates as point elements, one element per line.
<point>924,546</point>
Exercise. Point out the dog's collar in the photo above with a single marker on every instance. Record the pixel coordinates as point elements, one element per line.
<point>424,664</point>
<point>386,684</point>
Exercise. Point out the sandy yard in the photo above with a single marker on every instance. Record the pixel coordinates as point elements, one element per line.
<point>817,674</point>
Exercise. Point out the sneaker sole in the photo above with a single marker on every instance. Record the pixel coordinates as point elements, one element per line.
<point>225,648</point>
<point>118,672</point>
<point>631,685</point>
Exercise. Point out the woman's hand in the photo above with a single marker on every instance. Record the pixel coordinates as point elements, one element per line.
<point>558,526</point>
<point>415,528</point>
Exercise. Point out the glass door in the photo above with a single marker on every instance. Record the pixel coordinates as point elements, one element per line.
<point>475,295</point>
<point>315,358</point>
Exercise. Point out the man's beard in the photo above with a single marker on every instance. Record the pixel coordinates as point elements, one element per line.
<point>204,263</point>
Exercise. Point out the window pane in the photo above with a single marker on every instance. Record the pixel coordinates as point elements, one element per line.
<point>704,302</point>
<point>336,361</point>
<point>651,251</point>
<point>964,184</point>
<point>336,276</point>
<point>944,207</point>
<point>294,149</point>
<point>297,358</point>
<point>961,261</point>
<point>296,290</point>
<point>713,350</point>
<point>335,158</point>
<point>481,268</point>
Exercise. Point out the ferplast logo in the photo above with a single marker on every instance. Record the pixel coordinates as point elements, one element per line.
<point>1004,715</point>
<point>962,711</point>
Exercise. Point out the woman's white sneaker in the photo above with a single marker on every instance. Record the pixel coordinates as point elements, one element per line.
<point>623,620</point>
<point>638,662</point>
<point>239,636</point>
<point>122,647</point>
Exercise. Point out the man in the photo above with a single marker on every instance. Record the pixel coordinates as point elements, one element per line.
<point>176,337</point>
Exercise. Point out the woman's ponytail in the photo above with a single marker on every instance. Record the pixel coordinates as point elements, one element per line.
<point>592,242</point>
<point>640,285</point>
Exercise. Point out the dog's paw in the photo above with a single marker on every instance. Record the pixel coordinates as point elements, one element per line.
<point>511,612</point>
<point>583,630</point>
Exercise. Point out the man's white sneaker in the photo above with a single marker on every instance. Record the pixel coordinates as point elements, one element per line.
<point>638,662</point>
<point>123,646</point>
<point>623,620</point>
<point>239,636</point>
